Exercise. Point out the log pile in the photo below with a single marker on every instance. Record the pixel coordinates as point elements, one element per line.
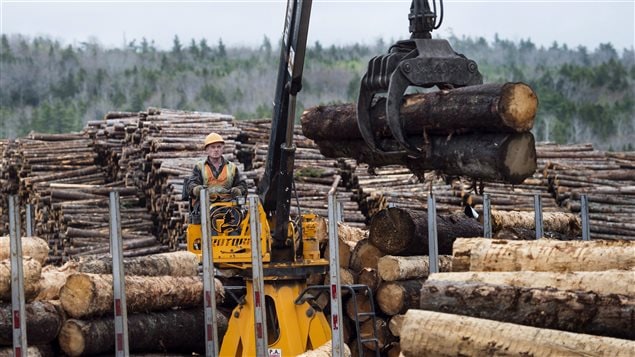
<point>606,178</point>
<point>540,287</point>
<point>314,174</point>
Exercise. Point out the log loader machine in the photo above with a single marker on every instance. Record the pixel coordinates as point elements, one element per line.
<point>290,251</point>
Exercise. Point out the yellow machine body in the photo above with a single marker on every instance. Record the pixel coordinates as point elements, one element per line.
<point>291,329</point>
<point>231,243</point>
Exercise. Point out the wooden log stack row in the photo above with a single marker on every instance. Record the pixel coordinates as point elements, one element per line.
<point>608,180</point>
<point>72,314</point>
<point>161,149</point>
<point>314,174</point>
<point>583,288</point>
<point>8,181</point>
<point>558,298</point>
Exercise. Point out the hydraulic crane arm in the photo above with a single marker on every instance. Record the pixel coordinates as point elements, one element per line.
<point>275,187</point>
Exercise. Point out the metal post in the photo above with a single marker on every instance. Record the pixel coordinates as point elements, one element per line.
<point>262,348</point>
<point>17,280</point>
<point>433,250</point>
<point>30,226</point>
<point>209,286</point>
<point>487,216</point>
<point>538,215</point>
<point>118,278</point>
<point>584,211</point>
<point>334,216</point>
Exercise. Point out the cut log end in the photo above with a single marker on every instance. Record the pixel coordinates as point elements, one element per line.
<point>77,294</point>
<point>71,338</point>
<point>518,105</point>
<point>519,159</point>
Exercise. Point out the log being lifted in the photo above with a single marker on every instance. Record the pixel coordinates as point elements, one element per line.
<point>86,295</point>
<point>32,271</point>
<point>560,222</point>
<point>33,247</point>
<point>393,267</point>
<point>481,254</point>
<point>43,322</point>
<point>502,157</point>
<point>180,263</point>
<point>429,333</point>
<point>401,231</point>
<point>164,331</point>
<point>509,107</point>
<point>576,311</point>
<point>620,282</point>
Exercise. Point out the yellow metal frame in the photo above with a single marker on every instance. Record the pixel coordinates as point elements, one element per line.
<point>229,247</point>
<point>301,327</point>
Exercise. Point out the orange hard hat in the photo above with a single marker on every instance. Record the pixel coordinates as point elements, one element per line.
<point>213,138</point>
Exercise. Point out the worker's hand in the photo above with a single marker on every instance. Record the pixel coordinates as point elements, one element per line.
<point>214,190</point>
<point>197,190</point>
<point>236,192</point>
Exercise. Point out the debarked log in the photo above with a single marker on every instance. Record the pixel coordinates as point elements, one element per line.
<point>496,107</point>
<point>163,331</point>
<point>560,222</point>
<point>620,282</point>
<point>481,254</point>
<point>488,156</point>
<point>86,295</point>
<point>31,270</point>
<point>181,263</point>
<point>575,311</point>
<point>33,247</point>
<point>429,333</point>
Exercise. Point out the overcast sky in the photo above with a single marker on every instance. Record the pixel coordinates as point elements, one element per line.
<point>575,23</point>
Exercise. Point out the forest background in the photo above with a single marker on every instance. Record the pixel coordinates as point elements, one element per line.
<point>47,86</point>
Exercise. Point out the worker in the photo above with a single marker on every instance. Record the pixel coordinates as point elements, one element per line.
<point>221,176</point>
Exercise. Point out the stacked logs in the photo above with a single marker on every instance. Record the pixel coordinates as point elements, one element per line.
<point>314,174</point>
<point>69,309</point>
<point>582,288</point>
<point>163,149</point>
<point>606,178</point>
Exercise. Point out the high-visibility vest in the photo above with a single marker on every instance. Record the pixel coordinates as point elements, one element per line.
<point>224,180</point>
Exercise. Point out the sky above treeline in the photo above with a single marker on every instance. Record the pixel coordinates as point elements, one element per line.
<point>245,23</point>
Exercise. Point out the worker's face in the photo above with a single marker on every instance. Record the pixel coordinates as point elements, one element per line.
<point>214,151</point>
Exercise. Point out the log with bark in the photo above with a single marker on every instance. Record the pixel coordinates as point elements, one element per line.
<point>575,311</point>
<point>163,331</point>
<point>86,295</point>
<point>33,247</point>
<point>32,270</point>
<point>400,231</point>
<point>490,107</point>
<point>181,263</point>
<point>43,322</point>
<point>492,157</point>
<point>560,222</point>
<point>396,297</point>
<point>480,254</point>
<point>429,333</point>
<point>391,267</point>
<point>620,282</point>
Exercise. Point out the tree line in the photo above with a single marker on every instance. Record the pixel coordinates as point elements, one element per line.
<point>47,86</point>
